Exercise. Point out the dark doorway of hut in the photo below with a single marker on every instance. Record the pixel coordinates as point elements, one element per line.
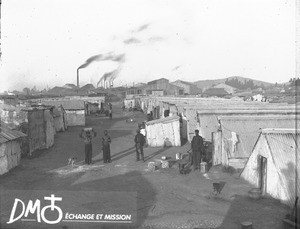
<point>262,173</point>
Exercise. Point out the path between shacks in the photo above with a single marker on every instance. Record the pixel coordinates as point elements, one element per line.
<point>165,199</point>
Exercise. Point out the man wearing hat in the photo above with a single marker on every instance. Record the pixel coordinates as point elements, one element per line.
<point>139,140</point>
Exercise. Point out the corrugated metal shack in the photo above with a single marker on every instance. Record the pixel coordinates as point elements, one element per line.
<point>237,135</point>
<point>272,165</point>
<point>163,132</point>
<point>204,113</point>
<point>60,118</point>
<point>75,110</point>
<point>10,148</point>
<point>40,129</point>
<point>37,123</point>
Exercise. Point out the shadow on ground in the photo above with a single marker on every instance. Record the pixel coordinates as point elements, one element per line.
<point>264,213</point>
<point>128,182</point>
<point>156,153</point>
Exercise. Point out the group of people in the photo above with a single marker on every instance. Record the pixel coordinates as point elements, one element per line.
<point>197,146</point>
<point>90,134</point>
<point>88,137</point>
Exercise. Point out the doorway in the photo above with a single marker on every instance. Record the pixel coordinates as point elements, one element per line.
<point>262,162</point>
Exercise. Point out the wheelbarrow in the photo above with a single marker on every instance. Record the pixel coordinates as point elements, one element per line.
<point>185,163</point>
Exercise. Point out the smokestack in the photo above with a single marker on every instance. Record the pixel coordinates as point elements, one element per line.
<point>78,77</point>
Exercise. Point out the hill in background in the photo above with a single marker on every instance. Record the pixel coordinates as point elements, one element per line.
<point>204,84</point>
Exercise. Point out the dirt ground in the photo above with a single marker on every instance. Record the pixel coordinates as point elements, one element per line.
<point>165,198</point>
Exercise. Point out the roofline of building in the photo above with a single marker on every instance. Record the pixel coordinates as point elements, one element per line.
<point>254,117</point>
<point>280,131</point>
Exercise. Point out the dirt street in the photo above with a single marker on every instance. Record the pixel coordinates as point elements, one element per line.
<point>164,198</point>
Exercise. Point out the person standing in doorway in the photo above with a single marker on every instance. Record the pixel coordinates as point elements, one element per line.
<point>106,140</point>
<point>197,150</point>
<point>140,141</point>
<point>88,137</point>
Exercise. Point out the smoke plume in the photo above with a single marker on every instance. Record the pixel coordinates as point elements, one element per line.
<point>109,76</point>
<point>102,57</point>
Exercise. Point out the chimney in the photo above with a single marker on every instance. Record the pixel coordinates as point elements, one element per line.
<point>78,77</point>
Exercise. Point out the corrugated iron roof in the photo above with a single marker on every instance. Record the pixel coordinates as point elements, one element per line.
<point>283,150</point>
<point>70,104</point>
<point>163,120</point>
<point>7,134</point>
<point>248,129</point>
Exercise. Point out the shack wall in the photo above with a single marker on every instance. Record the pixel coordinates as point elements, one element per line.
<point>36,130</point>
<point>75,117</point>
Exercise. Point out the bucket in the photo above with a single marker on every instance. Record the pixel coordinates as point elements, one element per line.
<point>151,166</point>
<point>203,167</point>
<point>178,156</point>
<point>246,225</point>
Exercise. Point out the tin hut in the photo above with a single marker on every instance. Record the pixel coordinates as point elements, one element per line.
<point>274,164</point>
<point>75,110</point>
<point>10,148</point>
<point>36,122</point>
<point>237,135</point>
<point>163,132</point>
<point>49,128</point>
<point>60,119</point>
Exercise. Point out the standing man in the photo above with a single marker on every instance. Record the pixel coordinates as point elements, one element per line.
<point>197,150</point>
<point>88,136</point>
<point>106,140</point>
<point>139,144</point>
<point>110,113</point>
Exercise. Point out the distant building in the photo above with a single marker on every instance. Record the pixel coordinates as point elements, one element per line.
<point>156,92</point>
<point>188,88</point>
<point>70,86</point>
<point>134,91</point>
<point>163,86</point>
<point>227,88</point>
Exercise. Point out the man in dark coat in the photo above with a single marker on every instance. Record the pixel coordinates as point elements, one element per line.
<point>87,137</point>
<point>197,150</point>
<point>106,140</point>
<point>139,144</point>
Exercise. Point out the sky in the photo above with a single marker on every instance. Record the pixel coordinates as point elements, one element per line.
<point>44,42</point>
